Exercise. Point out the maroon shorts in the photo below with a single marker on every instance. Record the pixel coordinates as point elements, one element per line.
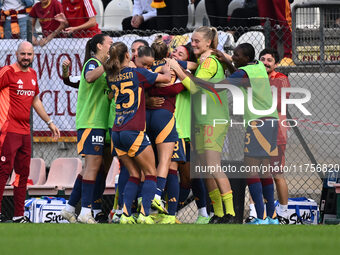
<point>16,151</point>
<point>279,160</point>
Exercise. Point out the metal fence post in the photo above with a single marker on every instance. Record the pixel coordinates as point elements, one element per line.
<point>322,39</point>
<point>267,30</point>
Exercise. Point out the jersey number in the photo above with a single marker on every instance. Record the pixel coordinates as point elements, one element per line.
<point>124,90</point>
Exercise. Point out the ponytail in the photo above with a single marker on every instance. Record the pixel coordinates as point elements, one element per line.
<point>114,63</point>
<point>214,41</point>
<point>88,54</point>
<point>160,48</point>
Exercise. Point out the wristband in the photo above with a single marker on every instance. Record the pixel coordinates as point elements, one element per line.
<point>49,122</point>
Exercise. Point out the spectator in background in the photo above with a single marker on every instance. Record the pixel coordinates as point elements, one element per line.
<point>217,11</point>
<point>173,15</point>
<point>270,59</point>
<point>45,11</point>
<point>280,14</point>
<point>81,17</point>
<point>143,16</point>
<point>13,21</point>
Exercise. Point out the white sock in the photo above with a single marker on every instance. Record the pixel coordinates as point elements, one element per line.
<point>203,212</point>
<point>252,211</point>
<point>158,197</point>
<point>95,212</point>
<point>283,210</point>
<point>119,211</point>
<point>85,211</point>
<point>70,208</point>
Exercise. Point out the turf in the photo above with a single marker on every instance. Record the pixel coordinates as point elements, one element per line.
<point>164,239</point>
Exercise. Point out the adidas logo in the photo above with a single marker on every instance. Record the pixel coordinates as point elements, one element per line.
<point>175,155</point>
<point>20,82</point>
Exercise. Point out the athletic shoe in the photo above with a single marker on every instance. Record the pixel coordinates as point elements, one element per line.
<point>101,218</point>
<point>159,205</point>
<point>257,221</point>
<point>228,219</point>
<point>282,220</point>
<point>69,216</point>
<point>127,219</point>
<point>86,219</point>
<point>142,219</point>
<point>22,219</point>
<point>273,221</point>
<point>157,217</point>
<point>116,218</point>
<point>249,219</point>
<point>202,220</point>
<point>168,219</point>
<point>216,220</point>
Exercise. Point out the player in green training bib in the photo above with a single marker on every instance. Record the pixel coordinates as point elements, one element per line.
<point>209,138</point>
<point>93,106</point>
<point>260,118</point>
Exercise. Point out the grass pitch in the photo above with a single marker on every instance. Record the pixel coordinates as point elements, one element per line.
<point>74,239</point>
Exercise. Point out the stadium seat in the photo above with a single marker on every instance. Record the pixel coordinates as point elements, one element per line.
<point>110,179</point>
<point>235,4</point>
<point>201,16</point>
<point>115,12</point>
<point>37,175</point>
<point>191,15</point>
<point>256,39</point>
<point>8,191</point>
<point>98,5</point>
<point>62,175</point>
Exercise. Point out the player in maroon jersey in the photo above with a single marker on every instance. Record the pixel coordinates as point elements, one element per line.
<point>18,92</point>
